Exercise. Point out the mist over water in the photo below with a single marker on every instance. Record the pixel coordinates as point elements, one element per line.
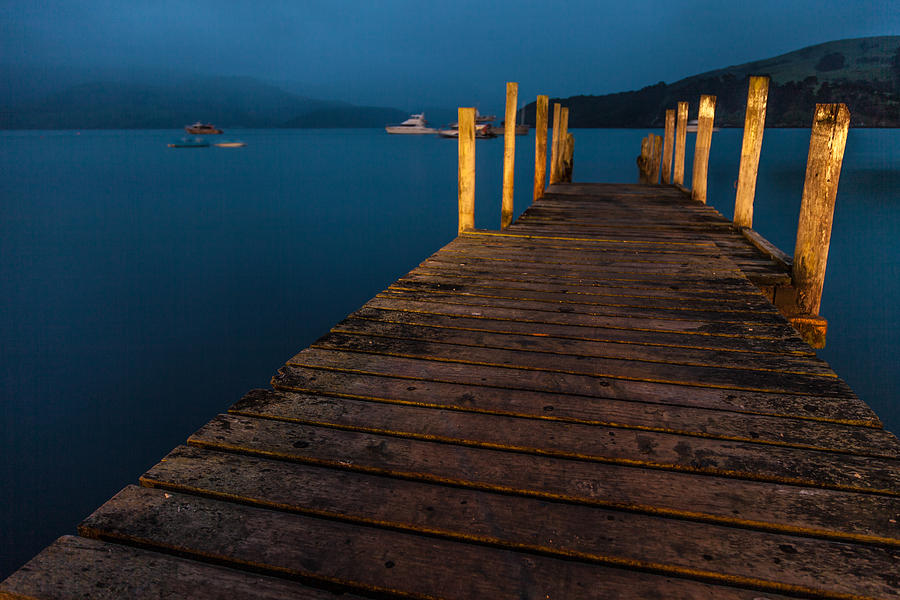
<point>148,288</point>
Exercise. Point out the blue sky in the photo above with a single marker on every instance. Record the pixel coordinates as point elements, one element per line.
<point>412,54</point>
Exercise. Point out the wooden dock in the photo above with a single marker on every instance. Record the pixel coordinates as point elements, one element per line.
<point>596,402</point>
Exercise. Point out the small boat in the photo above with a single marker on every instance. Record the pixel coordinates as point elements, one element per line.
<point>480,118</point>
<point>415,124</point>
<point>199,128</point>
<point>692,126</point>
<point>521,129</point>
<point>229,144</point>
<point>482,131</point>
<point>186,142</point>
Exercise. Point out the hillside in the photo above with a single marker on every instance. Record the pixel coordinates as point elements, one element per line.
<point>229,102</point>
<point>864,73</point>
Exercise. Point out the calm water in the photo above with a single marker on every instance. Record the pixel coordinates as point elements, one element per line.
<point>146,289</point>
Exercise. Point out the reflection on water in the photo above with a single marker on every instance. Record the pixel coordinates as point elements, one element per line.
<point>147,288</point>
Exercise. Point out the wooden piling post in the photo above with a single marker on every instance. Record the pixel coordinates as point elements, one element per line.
<point>823,169</point>
<point>754,124</point>
<point>540,146</point>
<point>509,154</point>
<point>554,142</point>
<point>561,141</point>
<point>680,142</point>
<point>643,161</point>
<point>568,159</point>
<point>668,145</point>
<point>466,169</point>
<point>655,156</point>
<point>705,117</point>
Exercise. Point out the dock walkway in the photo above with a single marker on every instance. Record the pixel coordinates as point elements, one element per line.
<point>596,402</point>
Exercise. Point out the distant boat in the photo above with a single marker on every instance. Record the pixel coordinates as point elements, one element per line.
<point>186,142</point>
<point>199,128</point>
<point>521,129</point>
<point>480,118</point>
<point>482,131</point>
<point>415,124</point>
<point>229,144</point>
<point>692,126</point>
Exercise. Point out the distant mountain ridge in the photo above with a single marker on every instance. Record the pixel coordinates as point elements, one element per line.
<point>230,102</point>
<point>864,73</point>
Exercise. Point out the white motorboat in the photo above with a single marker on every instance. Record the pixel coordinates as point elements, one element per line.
<point>415,124</point>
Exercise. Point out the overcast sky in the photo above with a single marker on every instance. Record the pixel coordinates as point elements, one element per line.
<point>412,54</point>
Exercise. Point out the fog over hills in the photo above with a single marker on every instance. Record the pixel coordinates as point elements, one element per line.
<point>60,99</point>
<point>864,73</point>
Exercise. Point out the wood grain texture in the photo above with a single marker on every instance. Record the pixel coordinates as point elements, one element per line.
<point>466,169</point>
<point>823,170</point>
<point>74,568</point>
<point>705,117</point>
<point>668,146</point>
<point>754,125</point>
<point>509,154</point>
<point>371,559</point>
<point>598,401</point>
<point>801,510</point>
<point>680,143</point>
<point>540,147</point>
<point>578,532</point>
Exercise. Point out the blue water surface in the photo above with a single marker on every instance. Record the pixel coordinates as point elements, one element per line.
<point>146,288</point>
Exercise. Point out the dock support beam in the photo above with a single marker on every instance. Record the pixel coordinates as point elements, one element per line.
<point>561,142</point>
<point>668,145</point>
<point>655,157</point>
<point>466,169</point>
<point>754,124</point>
<point>680,143</point>
<point>540,146</point>
<point>648,161</point>
<point>705,117</point>
<point>554,142</point>
<point>823,170</point>
<point>568,159</point>
<point>509,154</point>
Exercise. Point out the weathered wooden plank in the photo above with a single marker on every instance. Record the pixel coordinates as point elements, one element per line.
<point>699,422</point>
<point>369,558</point>
<point>562,233</point>
<point>716,290</point>
<point>832,408</point>
<point>551,362</point>
<point>741,460</point>
<point>494,321</point>
<point>729,283</point>
<point>451,334</point>
<point>74,568</point>
<point>751,299</point>
<point>631,261</point>
<point>682,333</point>
<point>798,510</point>
<point>519,246</point>
<point>675,308</point>
<point>632,317</point>
<point>574,257</point>
<point>524,245</point>
<point>590,534</point>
